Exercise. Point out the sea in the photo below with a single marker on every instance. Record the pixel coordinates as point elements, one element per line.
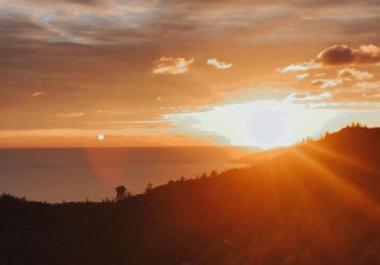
<point>91,174</point>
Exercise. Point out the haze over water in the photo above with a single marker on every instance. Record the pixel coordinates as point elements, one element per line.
<point>58,174</point>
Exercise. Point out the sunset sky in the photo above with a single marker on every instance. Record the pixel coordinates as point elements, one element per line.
<point>152,73</point>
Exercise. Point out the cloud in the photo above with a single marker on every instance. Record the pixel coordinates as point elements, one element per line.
<point>38,93</point>
<point>169,65</point>
<point>319,74</point>
<point>69,114</point>
<point>301,67</point>
<point>308,97</point>
<point>102,22</point>
<point>345,55</point>
<point>82,22</point>
<point>84,2</point>
<point>124,37</point>
<point>115,112</point>
<point>302,76</point>
<point>129,124</point>
<point>350,74</point>
<point>343,75</point>
<point>218,64</point>
<point>338,55</point>
<point>326,83</point>
<point>368,85</point>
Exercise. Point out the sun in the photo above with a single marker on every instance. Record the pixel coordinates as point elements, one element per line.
<point>101,136</point>
<point>263,123</point>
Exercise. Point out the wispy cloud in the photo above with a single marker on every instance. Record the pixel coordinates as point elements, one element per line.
<point>143,124</point>
<point>218,64</point>
<point>326,83</point>
<point>302,76</point>
<point>69,114</point>
<point>169,65</point>
<point>350,74</point>
<point>115,112</point>
<point>320,74</point>
<point>38,93</point>
<point>368,85</point>
<point>308,97</point>
<point>299,67</point>
<point>98,22</point>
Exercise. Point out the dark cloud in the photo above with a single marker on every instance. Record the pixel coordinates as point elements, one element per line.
<point>17,27</point>
<point>121,22</point>
<point>338,54</point>
<point>345,55</point>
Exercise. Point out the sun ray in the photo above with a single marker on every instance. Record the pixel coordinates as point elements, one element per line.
<point>344,158</point>
<point>351,194</point>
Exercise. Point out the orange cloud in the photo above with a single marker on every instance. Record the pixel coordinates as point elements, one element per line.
<point>338,55</point>
<point>38,93</point>
<point>168,65</point>
<point>69,114</point>
<point>299,67</point>
<point>326,83</point>
<point>218,64</point>
<point>308,97</point>
<point>368,85</point>
<point>302,76</point>
<point>350,74</point>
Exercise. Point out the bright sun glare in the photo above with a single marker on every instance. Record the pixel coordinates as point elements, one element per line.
<point>101,136</point>
<point>264,123</point>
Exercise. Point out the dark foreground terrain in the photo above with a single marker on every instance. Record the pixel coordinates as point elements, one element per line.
<point>315,203</point>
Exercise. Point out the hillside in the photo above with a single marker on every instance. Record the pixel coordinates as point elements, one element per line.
<point>315,203</point>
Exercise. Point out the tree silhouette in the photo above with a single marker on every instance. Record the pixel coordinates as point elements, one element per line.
<point>120,193</point>
<point>214,173</point>
<point>149,187</point>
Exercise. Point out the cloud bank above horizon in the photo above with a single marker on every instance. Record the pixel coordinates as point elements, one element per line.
<point>125,66</point>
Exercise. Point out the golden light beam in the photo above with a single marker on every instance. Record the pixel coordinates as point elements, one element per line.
<point>352,194</point>
<point>341,157</point>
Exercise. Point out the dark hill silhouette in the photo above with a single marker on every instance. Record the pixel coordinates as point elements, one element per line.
<point>315,203</point>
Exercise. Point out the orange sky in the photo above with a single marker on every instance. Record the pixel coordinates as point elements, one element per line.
<point>258,73</point>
